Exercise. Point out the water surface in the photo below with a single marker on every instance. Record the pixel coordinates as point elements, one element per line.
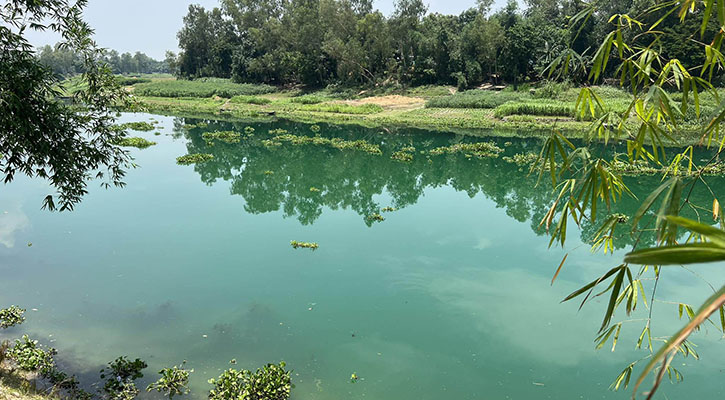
<point>449,297</point>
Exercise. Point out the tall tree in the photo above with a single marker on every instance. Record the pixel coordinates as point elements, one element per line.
<point>40,136</point>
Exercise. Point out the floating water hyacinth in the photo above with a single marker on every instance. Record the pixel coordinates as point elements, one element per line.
<point>375,218</point>
<point>304,245</point>
<point>194,158</point>
<point>314,189</point>
<point>389,209</point>
<point>402,156</point>
<point>224,136</point>
<point>137,142</point>
<point>482,149</point>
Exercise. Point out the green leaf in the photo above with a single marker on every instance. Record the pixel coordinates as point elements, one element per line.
<point>693,253</point>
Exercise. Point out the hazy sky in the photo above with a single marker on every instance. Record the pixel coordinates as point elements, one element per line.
<point>150,26</point>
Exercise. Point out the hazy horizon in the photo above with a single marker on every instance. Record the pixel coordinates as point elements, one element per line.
<point>151,26</point>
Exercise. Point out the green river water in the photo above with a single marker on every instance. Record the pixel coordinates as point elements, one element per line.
<point>449,298</point>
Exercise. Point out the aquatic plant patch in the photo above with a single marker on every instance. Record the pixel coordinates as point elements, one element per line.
<point>137,142</point>
<point>304,245</point>
<point>223,136</point>
<point>137,126</point>
<point>194,158</point>
<point>403,156</point>
<point>481,149</point>
<point>341,144</point>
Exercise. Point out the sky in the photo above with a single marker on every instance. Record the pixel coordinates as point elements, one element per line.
<point>150,26</point>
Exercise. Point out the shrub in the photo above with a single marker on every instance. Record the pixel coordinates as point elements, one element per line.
<point>173,382</point>
<point>194,158</point>
<point>206,87</point>
<point>474,99</point>
<point>250,100</point>
<point>11,316</point>
<point>269,383</point>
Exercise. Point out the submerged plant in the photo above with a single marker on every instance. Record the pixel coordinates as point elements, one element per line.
<point>174,381</point>
<point>194,158</point>
<point>11,316</point>
<point>304,245</point>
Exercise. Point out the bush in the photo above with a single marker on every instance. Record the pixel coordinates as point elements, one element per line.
<point>548,108</point>
<point>474,99</point>
<point>250,100</point>
<point>206,87</point>
<point>269,383</point>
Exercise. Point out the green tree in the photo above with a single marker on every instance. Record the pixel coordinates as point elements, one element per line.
<point>40,136</point>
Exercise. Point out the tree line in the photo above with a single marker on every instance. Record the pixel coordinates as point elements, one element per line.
<point>346,42</point>
<point>65,62</point>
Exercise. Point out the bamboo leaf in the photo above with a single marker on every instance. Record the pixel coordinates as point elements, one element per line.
<point>559,269</point>
<point>693,253</point>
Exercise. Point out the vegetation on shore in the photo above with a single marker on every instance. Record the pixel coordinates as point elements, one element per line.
<point>532,111</point>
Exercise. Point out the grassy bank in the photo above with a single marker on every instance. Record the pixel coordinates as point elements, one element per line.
<point>14,387</point>
<point>523,113</point>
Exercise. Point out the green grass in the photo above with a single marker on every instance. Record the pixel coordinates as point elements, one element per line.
<point>531,107</point>
<point>205,87</point>
<point>130,80</point>
<point>250,100</point>
<point>475,99</point>
<point>342,108</point>
<point>309,99</point>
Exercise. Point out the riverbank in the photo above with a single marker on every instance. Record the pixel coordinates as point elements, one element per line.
<point>532,112</point>
<point>15,387</point>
